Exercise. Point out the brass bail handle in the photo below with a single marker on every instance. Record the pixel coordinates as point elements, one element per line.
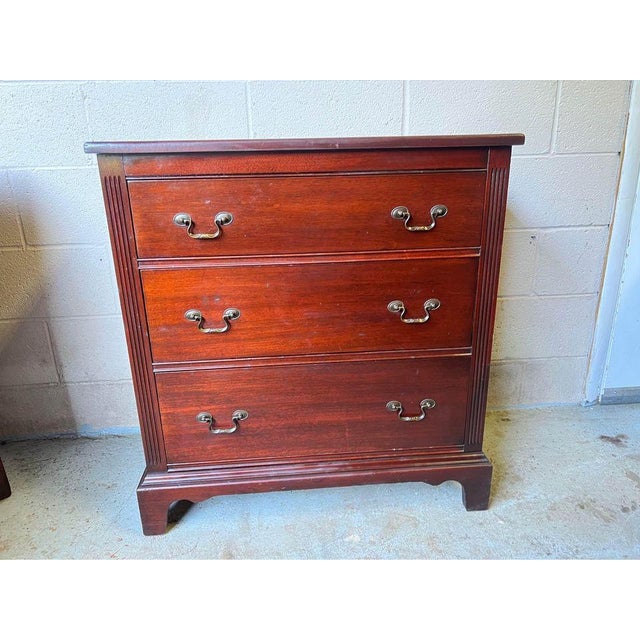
<point>402,213</point>
<point>236,417</point>
<point>185,220</point>
<point>194,315</point>
<point>396,407</point>
<point>397,306</point>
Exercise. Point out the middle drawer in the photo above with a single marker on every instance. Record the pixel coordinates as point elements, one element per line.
<point>309,308</point>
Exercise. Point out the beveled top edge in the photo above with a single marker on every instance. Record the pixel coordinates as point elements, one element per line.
<point>304,144</point>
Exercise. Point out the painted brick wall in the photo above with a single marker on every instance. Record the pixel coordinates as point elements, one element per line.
<point>63,363</point>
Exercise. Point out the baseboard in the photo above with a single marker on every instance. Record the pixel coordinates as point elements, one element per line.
<point>620,395</point>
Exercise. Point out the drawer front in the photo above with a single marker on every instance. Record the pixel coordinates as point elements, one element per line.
<point>308,308</point>
<point>312,409</point>
<point>303,214</point>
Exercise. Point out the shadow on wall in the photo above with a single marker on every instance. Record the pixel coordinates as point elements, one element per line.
<point>31,396</point>
<point>550,278</point>
<point>51,348</point>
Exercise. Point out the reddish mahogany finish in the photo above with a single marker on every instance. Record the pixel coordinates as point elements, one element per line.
<point>158,491</point>
<point>114,190</point>
<point>298,163</point>
<point>311,260</point>
<point>5,489</point>
<point>309,214</point>
<point>313,409</point>
<point>156,147</point>
<point>321,307</point>
<point>489,267</point>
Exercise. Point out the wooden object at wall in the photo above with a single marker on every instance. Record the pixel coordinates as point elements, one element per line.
<point>5,488</point>
<point>307,313</point>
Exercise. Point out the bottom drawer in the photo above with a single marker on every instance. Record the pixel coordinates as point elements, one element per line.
<point>313,409</point>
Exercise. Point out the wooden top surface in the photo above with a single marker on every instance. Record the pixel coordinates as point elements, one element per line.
<point>304,144</point>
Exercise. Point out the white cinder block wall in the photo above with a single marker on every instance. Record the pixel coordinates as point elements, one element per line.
<point>63,362</point>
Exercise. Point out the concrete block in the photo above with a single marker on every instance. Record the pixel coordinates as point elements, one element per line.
<point>60,206</point>
<point>543,327</point>
<point>64,281</point>
<point>553,381</point>
<point>34,411</point>
<point>479,106</point>
<point>517,264</point>
<point>9,225</point>
<point>562,191</point>
<point>98,406</point>
<point>326,108</point>
<point>165,110</point>
<point>592,115</point>
<point>25,354</point>
<point>44,124</point>
<point>505,382</point>
<point>535,382</point>
<point>90,349</point>
<point>50,410</point>
<point>9,230</point>
<point>570,260</point>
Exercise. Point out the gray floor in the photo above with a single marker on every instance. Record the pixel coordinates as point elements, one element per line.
<point>566,485</point>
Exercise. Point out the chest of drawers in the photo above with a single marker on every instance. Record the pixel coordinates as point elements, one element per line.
<point>307,313</point>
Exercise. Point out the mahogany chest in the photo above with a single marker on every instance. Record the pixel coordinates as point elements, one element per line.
<point>307,313</point>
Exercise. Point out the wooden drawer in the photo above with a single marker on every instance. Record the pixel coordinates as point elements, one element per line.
<point>307,308</point>
<point>306,214</point>
<point>313,409</point>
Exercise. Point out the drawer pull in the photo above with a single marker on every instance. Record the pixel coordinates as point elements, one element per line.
<point>236,417</point>
<point>221,219</point>
<point>397,306</point>
<point>395,406</point>
<point>402,213</point>
<point>196,316</point>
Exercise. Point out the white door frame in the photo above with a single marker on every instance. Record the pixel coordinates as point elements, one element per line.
<point>618,241</point>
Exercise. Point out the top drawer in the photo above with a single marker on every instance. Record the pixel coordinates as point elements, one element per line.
<point>306,214</point>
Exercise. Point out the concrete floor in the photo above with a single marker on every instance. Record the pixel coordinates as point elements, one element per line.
<point>566,485</point>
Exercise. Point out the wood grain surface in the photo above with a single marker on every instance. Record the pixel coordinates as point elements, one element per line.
<point>155,147</point>
<point>320,307</point>
<point>305,214</point>
<point>313,409</point>
<point>298,162</point>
